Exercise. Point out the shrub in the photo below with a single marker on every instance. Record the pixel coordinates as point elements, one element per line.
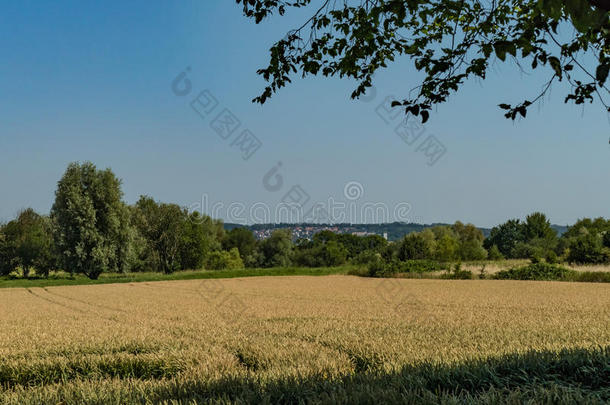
<point>366,257</point>
<point>458,273</point>
<point>418,266</point>
<point>551,257</point>
<point>494,253</point>
<point>243,239</point>
<point>414,246</point>
<point>334,253</point>
<point>223,260</point>
<point>586,248</point>
<point>590,276</point>
<point>378,268</point>
<point>307,258</point>
<point>360,272</point>
<point>535,254</point>
<point>536,271</point>
<point>483,273</point>
<point>327,254</point>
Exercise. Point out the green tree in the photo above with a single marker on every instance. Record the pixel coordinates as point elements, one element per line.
<point>373,242</point>
<point>539,236</point>
<point>586,248</point>
<point>594,226</point>
<point>446,248</point>
<point>29,243</point>
<point>144,256</point>
<point>163,226</point>
<point>355,245</point>
<point>5,254</point>
<point>470,242</point>
<point>506,237</point>
<point>199,238</point>
<point>334,253</point>
<point>471,250</point>
<point>467,232</point>
<point>324,236</point>
<point>91,220</point>
<point>277,249</point>
<point>170,239</point>
<point>537,226</point>
<point>223,260</point>
<point>599,227</point>
<point>449,41</point>
<point>307,254</point>
<point>243,239</point>
<point>414,246</point>
<point>494,253</point>
<point>125,257</point>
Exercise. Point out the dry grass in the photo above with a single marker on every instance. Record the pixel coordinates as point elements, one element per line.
<point>492,267</point>
<point>149,342</point>
<point>590,267</point>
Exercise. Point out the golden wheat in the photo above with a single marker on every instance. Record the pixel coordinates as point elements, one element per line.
<point>107,343</point>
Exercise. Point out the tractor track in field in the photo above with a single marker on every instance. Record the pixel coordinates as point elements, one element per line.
<point>115,310</point>
<point>56,302</point>
<point>97,315</point>
<point>85,302</point>
<point>71,307</point>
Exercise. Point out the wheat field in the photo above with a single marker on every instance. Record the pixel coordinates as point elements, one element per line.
<point>329,339</point>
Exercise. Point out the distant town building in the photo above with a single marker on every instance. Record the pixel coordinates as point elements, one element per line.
<point>363,233</point>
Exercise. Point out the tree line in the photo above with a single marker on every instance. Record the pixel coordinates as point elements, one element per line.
<point>90,230</point>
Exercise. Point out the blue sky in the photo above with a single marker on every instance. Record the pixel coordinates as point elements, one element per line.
<point>92,81</point>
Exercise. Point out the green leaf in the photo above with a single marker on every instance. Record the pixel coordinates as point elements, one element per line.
<point>424,116</point>
<point>601,73</point>
<point>504,47</point>
<point>556,65</point>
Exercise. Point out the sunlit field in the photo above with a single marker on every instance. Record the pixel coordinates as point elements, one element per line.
<point>306,339</point>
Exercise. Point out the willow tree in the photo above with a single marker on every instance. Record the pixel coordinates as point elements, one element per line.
<point>92,229</point>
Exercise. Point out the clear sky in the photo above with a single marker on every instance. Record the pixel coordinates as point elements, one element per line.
<point>93,81</point>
